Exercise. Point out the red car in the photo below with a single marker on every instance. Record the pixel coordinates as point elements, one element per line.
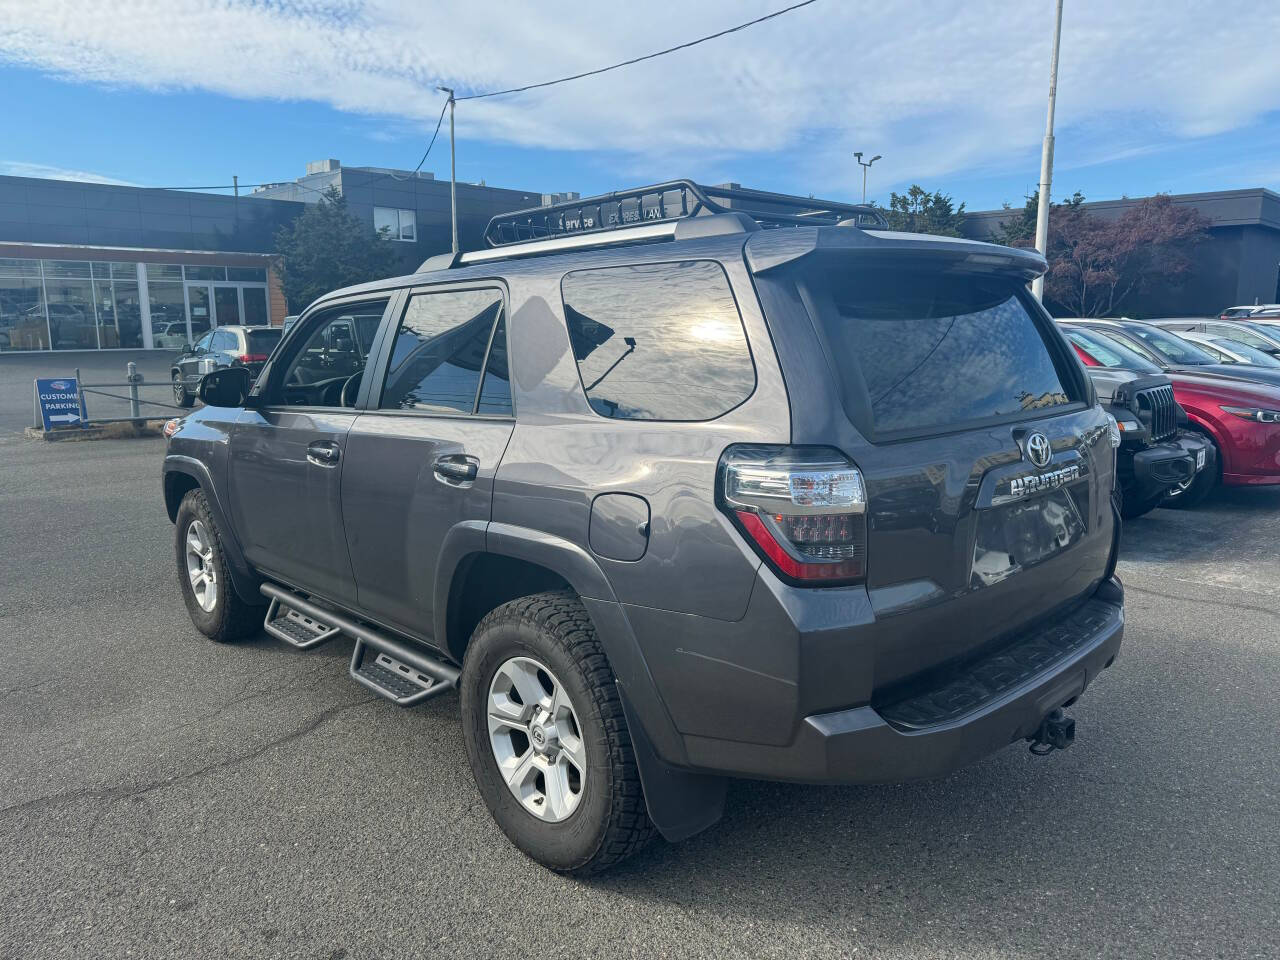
<point>1241,417</point>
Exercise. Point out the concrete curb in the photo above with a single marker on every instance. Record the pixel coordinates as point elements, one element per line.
<point>107,431</point>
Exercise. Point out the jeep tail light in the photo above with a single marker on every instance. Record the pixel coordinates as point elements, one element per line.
<point>803,508</point>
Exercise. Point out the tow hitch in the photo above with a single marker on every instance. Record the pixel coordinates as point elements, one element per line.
<point>1057,731</point>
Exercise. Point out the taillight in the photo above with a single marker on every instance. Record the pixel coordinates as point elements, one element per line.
<point>803,508</point>
<point>252,358</point>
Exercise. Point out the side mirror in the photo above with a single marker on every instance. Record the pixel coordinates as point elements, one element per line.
<point>226,388</point>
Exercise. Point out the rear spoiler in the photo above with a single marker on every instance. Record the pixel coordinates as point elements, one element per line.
<point>769,250</point>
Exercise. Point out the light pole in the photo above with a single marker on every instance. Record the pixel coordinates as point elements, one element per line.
<point>1046,159</point>
<point>453,170</point>
<point>865,167</point>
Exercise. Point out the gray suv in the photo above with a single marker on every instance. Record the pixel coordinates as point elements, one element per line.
<point>673,485</point>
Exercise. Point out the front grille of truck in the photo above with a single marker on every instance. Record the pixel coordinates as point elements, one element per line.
<point>1159,411</point>
<point>968,686</point>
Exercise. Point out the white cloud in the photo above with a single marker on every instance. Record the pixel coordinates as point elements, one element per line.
<point>18,168</point>
<point>937,88</point>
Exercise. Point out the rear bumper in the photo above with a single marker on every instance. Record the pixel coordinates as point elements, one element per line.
<point>953,720</point>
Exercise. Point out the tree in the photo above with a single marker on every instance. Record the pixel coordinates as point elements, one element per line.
<point>328,247</point>
<point>1094,264</point>
<point>919,211</point>
<point>1020,230</point>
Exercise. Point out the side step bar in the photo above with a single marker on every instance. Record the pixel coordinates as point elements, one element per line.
<point>285,622</point>
<point>389,667</point>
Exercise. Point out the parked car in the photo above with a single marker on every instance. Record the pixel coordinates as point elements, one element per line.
<point>1170,352</point>
<point>1245,310</point>
<point>1240,418</point>
<point>673,499</point>
<point>229,346</point>
<point>1228,351</point>
<point>1257,335</point>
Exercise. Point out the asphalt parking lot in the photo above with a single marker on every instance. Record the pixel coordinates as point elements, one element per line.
<point>161,796</point>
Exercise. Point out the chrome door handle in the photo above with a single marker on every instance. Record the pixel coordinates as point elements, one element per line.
<point>457,469</point>
<point>323,453</point>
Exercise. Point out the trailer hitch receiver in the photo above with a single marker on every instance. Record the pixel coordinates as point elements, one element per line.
<point>1057,731</point>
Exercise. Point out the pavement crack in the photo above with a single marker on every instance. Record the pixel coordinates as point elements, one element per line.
<point>1217,603</point>
<point>112,794</point>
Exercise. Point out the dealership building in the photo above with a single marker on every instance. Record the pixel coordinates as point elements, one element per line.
<point>90,266</point>
<point>1239,264</point>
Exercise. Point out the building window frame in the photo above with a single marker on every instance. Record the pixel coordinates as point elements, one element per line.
<point>405,220</point>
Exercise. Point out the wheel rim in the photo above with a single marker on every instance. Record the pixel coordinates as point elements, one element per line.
<point>536,739</point>
<point>179,392</point>
<point>200,569</point>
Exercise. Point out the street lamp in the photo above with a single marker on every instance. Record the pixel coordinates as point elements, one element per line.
<point>453,170</point>
<point>865,167</point>
<point>1046,158</point>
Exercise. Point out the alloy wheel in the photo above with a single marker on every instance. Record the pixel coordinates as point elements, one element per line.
<point>536,739</point>
<point>200,568</point>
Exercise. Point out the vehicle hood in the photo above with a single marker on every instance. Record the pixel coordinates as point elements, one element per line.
<point>1230,389</point>
<point>1106,379</point>
<point>1235,371</point>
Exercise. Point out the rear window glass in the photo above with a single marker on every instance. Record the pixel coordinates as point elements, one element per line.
<point>658,341</point>
<point>263,341</point>
<point>922,350</point>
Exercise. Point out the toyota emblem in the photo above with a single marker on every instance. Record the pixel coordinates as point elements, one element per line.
<point>1038,449</point>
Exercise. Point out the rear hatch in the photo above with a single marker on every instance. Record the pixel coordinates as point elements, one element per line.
<point>928,364</point>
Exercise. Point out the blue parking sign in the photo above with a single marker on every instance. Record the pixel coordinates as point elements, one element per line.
<point>60,402</point>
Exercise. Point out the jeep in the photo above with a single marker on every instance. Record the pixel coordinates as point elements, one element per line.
<point>673,485</point>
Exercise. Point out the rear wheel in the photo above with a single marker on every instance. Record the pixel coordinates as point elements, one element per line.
<point>215,608</point>
<point>1191,493</point>
<point>546,736</point>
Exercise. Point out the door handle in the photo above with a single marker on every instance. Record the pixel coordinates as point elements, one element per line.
<point>323,453</point>
<point>457,469</point>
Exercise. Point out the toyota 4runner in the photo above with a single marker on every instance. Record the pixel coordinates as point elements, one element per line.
<point>673,485</point>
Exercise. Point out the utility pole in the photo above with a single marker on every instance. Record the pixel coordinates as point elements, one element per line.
<point>453,169</point>
<point>1046,159</point>
<point>865,167</point>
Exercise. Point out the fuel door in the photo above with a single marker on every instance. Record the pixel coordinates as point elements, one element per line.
<point>619,527</point>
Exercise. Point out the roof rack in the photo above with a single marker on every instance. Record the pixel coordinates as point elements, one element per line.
<point>673,200</point>
<point>645,214</point>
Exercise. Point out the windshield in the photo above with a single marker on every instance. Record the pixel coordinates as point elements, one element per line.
<point>1250,354</point>
<point>1170,345</point>
<point>1108,352</point>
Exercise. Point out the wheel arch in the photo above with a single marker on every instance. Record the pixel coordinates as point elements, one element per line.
<point>181,476</point>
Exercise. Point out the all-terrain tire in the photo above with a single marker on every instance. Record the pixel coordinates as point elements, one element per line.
<point>610,821</point>
<point>1131,508</point>
<point>180,395</point>
<point>230,618</point>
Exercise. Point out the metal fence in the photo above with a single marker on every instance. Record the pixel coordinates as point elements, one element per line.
<point>130,391</point>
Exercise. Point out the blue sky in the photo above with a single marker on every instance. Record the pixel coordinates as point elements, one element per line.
<point>188,93</point>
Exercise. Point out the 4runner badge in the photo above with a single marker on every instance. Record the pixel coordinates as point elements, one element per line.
<point>1038,449</point>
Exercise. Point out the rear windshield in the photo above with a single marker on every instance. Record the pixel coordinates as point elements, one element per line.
<point>923,350</point>
<point>263,341</point>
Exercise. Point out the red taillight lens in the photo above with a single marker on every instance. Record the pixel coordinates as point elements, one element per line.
<point>803,508</point>
<point>252,358</point>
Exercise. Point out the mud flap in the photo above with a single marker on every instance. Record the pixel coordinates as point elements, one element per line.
<point>680,803</point>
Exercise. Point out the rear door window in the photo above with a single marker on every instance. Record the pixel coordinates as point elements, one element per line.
<point>446,343</point>
<point>925,351</point>
<point>660,341</point>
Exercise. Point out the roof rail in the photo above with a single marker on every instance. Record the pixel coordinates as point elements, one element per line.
<point>662,211</point>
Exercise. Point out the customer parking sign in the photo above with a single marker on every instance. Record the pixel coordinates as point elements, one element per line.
<point>60,403</point>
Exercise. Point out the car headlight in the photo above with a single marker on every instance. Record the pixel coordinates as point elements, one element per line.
<point>1114,428</point>
<point>1256,414</point>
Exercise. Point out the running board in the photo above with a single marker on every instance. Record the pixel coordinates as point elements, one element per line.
<point>392,668</point>
<point>296,628</point>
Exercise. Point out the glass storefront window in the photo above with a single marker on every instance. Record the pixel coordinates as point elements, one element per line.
<point>73,324</point>
<point>164,271</point>
<point>65,268</point>
<point>128,310</point>
<point>9,267</point>
<point>22,319</point>
<point>168,314</point>
<point>206,273</point>
<point>101,271</point>
<point>247,274</point>
<point>255,306</point>
<point>125,271</point>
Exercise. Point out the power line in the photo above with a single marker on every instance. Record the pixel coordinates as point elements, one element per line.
<point>627,63</point>
<point>439,121</point>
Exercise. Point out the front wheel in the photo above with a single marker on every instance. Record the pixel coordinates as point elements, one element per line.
<point>546,736</point>
<point>180,395</point>
<point>215,608</point>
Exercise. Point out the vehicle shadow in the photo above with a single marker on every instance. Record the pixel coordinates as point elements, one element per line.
<point>1236,525</point>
